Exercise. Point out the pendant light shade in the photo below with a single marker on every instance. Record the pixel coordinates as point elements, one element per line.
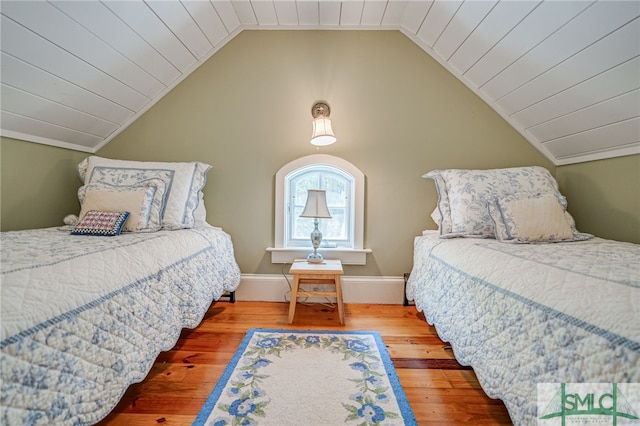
<point>322,131</point>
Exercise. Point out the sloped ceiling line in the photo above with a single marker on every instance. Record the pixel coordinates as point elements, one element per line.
<point>565,74</point>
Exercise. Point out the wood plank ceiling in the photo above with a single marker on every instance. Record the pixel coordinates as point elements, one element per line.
<point>565,74</point>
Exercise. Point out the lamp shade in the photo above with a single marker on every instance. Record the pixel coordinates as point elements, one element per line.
<point>322,132</point>
<point>316,204</point>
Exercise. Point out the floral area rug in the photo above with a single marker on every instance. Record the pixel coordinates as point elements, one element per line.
<point>311,378</point>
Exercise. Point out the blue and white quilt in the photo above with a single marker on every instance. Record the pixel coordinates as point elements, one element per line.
<point>83,317</point>
<point>537,313</point>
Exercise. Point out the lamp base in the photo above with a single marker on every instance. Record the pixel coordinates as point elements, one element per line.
<point>315,258</point>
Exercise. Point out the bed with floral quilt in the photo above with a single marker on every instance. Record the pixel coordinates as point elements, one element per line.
<point>87,307</point>
<point>520,295</point>
<point>85,317</point>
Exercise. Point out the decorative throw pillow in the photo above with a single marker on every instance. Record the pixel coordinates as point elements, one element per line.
<point>530,218</point>
<point>463,195</point>
<point>143,201</point>
<point>100,223</point>
<point>183,183</point>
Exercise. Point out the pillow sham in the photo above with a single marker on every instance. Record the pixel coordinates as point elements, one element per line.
<point>107,224</point>
<point>436,216</point>
<point>200,213</point>
<point>183,182</point>
<point>463,196</point>
<point>530,218</point>
<point>442,212</point>
<point>143,201</point>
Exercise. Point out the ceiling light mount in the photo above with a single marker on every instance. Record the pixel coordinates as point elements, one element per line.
<point>320,109</point>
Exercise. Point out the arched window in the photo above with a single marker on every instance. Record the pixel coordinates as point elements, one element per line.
<point>342,235</point>
<point>340,185</point>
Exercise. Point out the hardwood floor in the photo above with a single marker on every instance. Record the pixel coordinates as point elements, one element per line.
<point>440,391</point>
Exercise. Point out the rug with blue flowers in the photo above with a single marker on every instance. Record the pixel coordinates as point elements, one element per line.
<point>311,378</point>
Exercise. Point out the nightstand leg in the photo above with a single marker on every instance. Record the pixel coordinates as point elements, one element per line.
<point>294,297</point>
<point>339,298</point>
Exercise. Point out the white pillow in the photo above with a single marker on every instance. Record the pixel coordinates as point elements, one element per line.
<point>463,195</point>
<point>143,201</point>
<point>183,182</point>
<point>530,218</point>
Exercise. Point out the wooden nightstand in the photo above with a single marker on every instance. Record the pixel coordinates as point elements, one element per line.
<point>327,272</point>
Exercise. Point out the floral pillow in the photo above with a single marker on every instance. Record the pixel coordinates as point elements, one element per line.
<point>463,196</point>
<point>106,224</point>
<point>183,182</point>
<point>441,215</point>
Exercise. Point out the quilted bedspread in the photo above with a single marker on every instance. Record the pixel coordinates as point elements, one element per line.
<point>523,314</point>
<point>84,317</point>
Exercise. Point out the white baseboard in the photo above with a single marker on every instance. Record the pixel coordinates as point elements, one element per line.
<point>355,289</point>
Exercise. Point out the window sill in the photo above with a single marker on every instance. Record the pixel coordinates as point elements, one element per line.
<point>347,256</point>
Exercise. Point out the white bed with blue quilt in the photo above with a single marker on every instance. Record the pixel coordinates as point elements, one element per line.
<point>522,298</point>
<point>85,315</point>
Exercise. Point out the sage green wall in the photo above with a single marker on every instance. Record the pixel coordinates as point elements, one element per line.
<point>396,113</point>
<point>38,184</point>
<point>604,196</point>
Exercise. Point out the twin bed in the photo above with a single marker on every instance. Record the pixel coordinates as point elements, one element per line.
<point>527,302</point>
<point>85,316</point>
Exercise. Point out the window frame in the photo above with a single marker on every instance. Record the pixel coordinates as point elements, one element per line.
<point>351,256</point>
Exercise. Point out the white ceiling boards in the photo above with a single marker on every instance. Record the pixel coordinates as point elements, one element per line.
<point>565,74</point>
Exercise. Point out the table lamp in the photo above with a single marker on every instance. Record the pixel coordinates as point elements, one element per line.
<point>316,208</point>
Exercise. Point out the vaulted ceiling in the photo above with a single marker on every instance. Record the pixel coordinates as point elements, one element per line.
<point>565,74</point>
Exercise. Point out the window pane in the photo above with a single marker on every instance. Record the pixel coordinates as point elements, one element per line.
<point>338,187</point>
<point>302,226</point>
<point>335,229</point>
<point>336,191</point>
<point>301,184</point>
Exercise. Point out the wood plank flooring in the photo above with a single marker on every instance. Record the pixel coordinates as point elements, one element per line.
<point>440,391</point>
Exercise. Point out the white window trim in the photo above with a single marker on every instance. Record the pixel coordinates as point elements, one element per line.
<point>355,256</point>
